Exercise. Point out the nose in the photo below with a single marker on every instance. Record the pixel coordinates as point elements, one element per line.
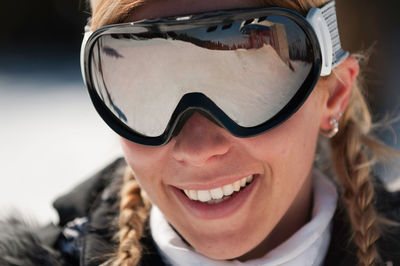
<point>199,141</point>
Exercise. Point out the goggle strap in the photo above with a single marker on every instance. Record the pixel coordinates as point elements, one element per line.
<point>324,22</point>
<point>329,14</point>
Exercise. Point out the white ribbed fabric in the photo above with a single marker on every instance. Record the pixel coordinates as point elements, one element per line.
<point>308,246</point>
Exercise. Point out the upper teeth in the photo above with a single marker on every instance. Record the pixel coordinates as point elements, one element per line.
<point>219,192</point>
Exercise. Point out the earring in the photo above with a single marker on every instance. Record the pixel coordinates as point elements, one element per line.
<point>330,133</point>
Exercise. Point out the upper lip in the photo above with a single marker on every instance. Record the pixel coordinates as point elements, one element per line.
<point>219,182</point>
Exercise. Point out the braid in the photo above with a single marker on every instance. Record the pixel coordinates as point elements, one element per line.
<point>134,210</point>
<point>351,149</point>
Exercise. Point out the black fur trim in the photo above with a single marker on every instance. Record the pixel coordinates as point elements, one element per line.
<point>20,244</point>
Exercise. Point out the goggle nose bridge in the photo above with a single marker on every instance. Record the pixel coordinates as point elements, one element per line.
<point>185,113</point>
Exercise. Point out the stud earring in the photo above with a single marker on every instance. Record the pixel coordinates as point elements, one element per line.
<point>330,133</point>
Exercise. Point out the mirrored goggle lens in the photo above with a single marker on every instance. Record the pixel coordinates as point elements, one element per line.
<point>250,69</point>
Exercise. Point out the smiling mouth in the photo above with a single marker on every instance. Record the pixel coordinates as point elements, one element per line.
<point>219,194</point>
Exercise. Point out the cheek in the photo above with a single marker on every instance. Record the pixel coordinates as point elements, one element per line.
<point>143,158</point>
<point>287,153</point>
<point>288,141</point>
<point>147,164</point>
<point>290,146</point>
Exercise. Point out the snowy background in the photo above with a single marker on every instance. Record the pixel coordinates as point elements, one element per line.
<point>51,138</point>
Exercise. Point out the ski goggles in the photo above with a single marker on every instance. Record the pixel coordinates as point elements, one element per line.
<point>246,70</point>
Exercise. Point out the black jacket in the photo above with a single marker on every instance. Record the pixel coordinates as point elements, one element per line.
<point>88,215</point>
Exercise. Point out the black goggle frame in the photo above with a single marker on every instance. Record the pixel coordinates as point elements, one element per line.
<point>198,101</point>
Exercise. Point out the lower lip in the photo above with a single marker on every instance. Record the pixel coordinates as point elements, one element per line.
<point>216,211</point>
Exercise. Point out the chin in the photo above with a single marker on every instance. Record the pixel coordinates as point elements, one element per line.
<point>226,248</point>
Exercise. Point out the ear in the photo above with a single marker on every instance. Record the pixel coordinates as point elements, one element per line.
<point>339,85</point>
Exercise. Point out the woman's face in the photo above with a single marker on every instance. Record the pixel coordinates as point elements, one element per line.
<point>205,157</point>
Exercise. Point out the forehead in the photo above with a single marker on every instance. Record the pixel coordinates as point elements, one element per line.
<point>163,8</point>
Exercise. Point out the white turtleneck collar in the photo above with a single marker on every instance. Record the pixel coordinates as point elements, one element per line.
<point>308,246</point>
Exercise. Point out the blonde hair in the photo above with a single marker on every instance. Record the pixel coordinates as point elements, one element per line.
<point>134,210</point>
<point>353,152</point>
<point>106,12</point>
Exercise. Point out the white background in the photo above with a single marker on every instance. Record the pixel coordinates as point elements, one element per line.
<point>51,139</point>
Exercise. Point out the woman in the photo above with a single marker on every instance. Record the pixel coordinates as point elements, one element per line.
<point>220,106</point>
